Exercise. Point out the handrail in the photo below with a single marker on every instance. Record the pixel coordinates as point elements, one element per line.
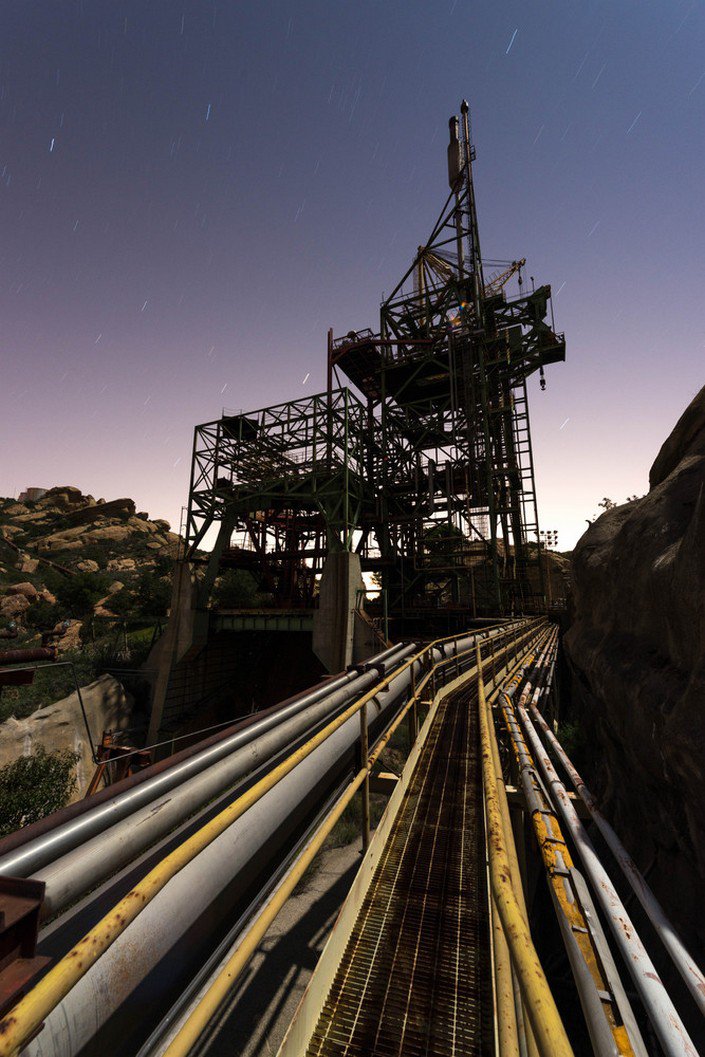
<point>207,1006</point>
<point>28,1014</point>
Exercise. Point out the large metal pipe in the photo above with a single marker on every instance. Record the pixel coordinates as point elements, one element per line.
<point>687,967</point>
<point>69,876</point>
<point>37,653</point>
<point>154,949</point>
<point>667,1024</point>
<point>80,870</point>
<point>32,857</point>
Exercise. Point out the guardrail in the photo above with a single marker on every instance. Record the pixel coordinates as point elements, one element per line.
<point>427,669</point>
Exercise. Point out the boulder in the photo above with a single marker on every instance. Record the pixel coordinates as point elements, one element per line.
<point>29,565</point>
<point>61,726</point>
<point>120,509</point>
<point>107,534</point>
<point>116,565</point>
<point>116,585</point>
<point>87,565</point>
<point>13,607</point>
<point>70,635</point>
<point>161,524</point>
<point>637,649</point>
<point>27,589</point>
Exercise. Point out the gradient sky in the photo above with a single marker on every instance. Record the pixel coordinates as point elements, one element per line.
<point>192,192</point>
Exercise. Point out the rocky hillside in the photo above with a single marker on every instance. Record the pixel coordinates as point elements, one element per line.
<point>66,557</point>
<point>637,649</point>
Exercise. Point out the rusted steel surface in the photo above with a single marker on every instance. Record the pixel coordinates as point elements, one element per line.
<point>20,901</point>
<point>610,1022</point>
<point>37,653</point>
<point>414,978</point>
<point>665,1020</point>
<point>687,967</point>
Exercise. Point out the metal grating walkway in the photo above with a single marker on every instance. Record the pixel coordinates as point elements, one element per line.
<point>414,979</point>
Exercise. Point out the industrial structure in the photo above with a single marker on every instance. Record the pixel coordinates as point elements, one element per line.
<point>422,473</point>
<point>485,919</point>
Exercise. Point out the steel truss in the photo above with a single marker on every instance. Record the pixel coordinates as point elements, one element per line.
<point>430,476</point>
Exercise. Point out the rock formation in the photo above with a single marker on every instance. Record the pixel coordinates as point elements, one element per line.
<point>64,531</point>
<point>637,649</point>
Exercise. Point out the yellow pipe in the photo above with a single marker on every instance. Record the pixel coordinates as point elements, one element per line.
<point>538,1001</point>
<point>523,1024</point>
<point>206,1009</point>
<point>202,1014</point>
<point>25,1017</point>
<point>507,1037</point>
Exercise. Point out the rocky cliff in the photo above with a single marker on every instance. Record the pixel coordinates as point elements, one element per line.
<point>64,534</point>
<point>637,649</point>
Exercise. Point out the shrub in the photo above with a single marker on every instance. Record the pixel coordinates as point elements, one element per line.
<point>235,588</point>
<point>44,614</point>
<point>79,594</point>
<point>34,786</point>
<point>152,595</point>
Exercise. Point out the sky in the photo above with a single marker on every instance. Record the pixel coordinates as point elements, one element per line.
<point>191,193</point>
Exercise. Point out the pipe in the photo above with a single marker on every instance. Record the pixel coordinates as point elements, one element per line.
<point>38,653</point>
<point>137,946</point>
<point>507,1034</point>
<point>205,1008</point>
<point>538,1000</point>
<point>29,858</point>
<point>149,955</point>
<point>689,970</point>
<point>668,1026</point>
<point>196,1021</point>
<point>80,870</point>
<point>608,1021</point>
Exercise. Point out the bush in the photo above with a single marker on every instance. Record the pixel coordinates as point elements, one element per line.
<point>152,595</point>
<point>235,588</point>
<point>34,786</point>
<point>45,615</point>
<point>79,594</point>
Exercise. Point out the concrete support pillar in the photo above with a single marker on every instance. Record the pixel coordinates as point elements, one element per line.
<point>186,631</point>
<point>334,620</point>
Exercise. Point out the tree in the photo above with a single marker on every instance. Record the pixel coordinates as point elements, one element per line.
<point>152,595</point>
<point>235,588</point>
<point>79,594</point>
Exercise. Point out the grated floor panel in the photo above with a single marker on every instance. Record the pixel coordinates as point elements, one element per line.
<point>414,979</point>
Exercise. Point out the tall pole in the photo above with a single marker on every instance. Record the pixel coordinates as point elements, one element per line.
<point>473,232</point>
<point>455,175</point>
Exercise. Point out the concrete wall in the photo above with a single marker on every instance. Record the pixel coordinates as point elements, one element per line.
<point>61,726</point>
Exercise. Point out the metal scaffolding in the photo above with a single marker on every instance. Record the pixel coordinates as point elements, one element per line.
<point>429,477</point>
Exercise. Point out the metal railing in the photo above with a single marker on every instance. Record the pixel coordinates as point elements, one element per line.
<point>25,1018</point>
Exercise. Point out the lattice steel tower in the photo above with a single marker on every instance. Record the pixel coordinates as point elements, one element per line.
<point>455,520</point>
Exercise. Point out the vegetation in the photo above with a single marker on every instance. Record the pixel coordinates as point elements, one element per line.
<point>54,682</point>
<point>78,594</point>
<point>34,786</point>
<point>235,588</point>
<point>148,596</point>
